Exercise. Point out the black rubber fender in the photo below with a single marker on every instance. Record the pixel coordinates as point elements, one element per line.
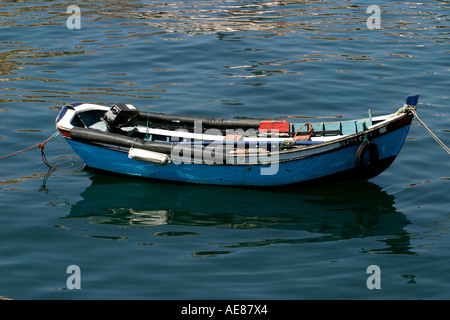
<point>360,153</point>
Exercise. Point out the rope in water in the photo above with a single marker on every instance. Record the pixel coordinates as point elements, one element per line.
<point>413,111</point>
<point>41,148</point>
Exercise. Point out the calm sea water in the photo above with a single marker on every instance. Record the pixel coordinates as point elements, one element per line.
<point>136,239</point>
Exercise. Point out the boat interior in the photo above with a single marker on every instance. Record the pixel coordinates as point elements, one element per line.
<point>127,120</point>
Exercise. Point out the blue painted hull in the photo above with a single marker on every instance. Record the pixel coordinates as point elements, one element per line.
<point>313,164</point>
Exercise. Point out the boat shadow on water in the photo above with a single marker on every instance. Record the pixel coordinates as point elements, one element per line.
<point>341,211</point>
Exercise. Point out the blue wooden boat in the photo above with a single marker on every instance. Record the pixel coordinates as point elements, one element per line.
<point>242,152</point>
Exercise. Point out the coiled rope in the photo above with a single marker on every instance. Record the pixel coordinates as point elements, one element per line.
<point>41,148</point>
<point>413,111</point>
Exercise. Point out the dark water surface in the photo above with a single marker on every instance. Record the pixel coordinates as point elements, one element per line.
<point>136,239</point>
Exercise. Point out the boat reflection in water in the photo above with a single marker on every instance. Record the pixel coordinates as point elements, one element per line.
<point>342,211</point>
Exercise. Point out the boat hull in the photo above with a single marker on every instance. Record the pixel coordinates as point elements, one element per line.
<point>335,162</point>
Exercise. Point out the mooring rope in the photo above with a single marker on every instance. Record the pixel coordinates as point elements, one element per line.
<point>413,111</point>
<point>41,148</point>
